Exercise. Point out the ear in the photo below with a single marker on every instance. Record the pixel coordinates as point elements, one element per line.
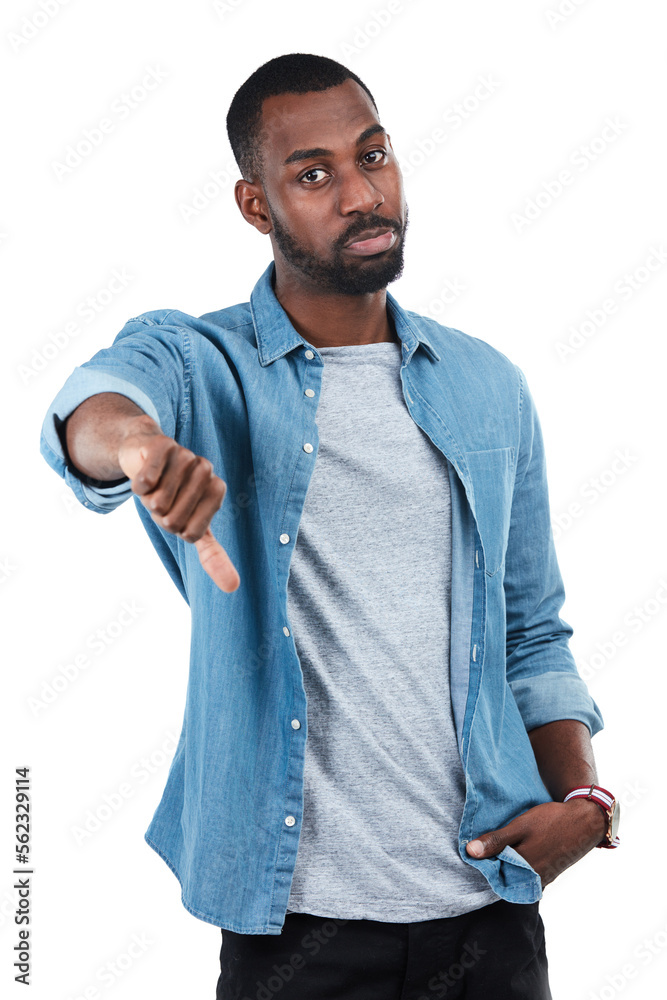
<point>252,205</point>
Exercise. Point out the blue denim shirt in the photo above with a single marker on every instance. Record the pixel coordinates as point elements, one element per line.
<point>241,387</point>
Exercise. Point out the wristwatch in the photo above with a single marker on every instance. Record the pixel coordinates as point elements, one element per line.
<point>610,806</point>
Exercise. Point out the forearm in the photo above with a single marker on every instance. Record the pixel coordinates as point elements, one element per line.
<point>564,756</point>
<point>95,430</point>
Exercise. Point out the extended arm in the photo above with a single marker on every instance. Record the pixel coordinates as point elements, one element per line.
<point>108,436</point>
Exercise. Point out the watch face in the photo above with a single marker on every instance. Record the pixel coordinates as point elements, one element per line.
<point>615,817</point>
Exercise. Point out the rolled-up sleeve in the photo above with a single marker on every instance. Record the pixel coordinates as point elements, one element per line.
<point>149,363</point>
<point>541,670</point>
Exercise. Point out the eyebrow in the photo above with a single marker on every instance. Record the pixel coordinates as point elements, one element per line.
<point>309,154</point>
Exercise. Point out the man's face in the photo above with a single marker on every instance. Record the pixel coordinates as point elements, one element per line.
<point>330,177</point>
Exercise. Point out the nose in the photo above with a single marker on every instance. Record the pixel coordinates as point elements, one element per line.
<point>357,193</point>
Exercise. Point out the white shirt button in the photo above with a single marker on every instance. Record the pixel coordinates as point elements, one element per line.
<point>310,392</point>
<point>296,724</point>
<point>285,630</point>
<point>284,539</point>
<point>308,447</point>
<point>309,355</point>
<point>290,821</point>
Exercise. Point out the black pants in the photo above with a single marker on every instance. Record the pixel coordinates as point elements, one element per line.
<point>495,952</point>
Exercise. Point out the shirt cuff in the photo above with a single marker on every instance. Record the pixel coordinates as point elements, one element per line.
<point>96,494</point>
<point>556,694</point>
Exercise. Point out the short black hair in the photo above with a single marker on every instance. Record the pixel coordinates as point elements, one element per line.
<point>295,73</point>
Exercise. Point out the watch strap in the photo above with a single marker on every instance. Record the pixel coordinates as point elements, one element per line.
<point>604,799</point>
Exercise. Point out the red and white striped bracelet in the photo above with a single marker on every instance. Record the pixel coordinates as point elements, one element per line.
<point>607,803</point>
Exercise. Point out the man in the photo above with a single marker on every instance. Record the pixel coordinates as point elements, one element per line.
<point>388,588</point>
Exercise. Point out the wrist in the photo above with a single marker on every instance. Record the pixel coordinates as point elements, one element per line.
<point>607,804</point>
<point>591,815</point>
<point>134,432</point>
<point>138,423</point>
<point>136,426</point>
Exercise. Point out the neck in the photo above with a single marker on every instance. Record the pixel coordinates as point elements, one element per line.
<point>328,319</point>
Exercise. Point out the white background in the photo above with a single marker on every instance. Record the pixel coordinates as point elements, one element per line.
<point>523,287</point>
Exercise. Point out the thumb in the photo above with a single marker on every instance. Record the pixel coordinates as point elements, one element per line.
<point>131,460</point>
<point>487,844</point>
<point>216,562</point>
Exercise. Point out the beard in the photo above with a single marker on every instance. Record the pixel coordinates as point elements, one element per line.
<point>340,273</point>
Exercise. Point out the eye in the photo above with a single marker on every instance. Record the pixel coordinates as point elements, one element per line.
<point>309,173</point>
<point>375,152</point>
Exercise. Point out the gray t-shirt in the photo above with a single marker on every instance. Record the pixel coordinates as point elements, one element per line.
<point>369,604</point>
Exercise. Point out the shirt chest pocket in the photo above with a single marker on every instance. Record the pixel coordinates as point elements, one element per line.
<point>492,475</point>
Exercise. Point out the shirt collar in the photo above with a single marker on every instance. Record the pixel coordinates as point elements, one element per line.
<point>276,335</point>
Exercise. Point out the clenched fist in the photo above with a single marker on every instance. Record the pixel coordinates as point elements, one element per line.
<point>180,490</point>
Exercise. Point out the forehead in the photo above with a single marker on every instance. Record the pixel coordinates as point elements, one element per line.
<point>327,118</point>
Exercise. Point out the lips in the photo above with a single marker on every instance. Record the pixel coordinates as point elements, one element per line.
<point>371,242</point>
